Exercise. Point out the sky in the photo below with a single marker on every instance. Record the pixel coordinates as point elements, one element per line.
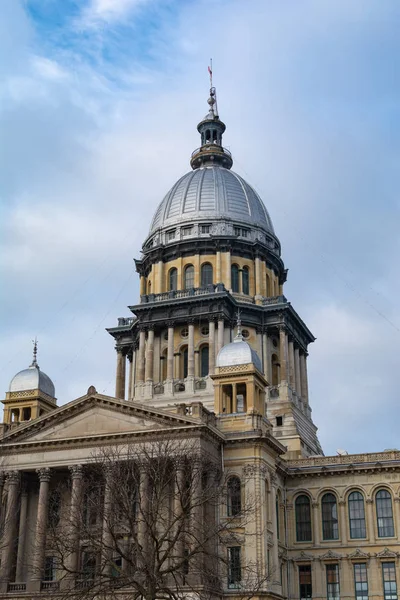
<point>99,102</point>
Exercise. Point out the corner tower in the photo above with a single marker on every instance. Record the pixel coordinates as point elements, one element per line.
<point>30,395</point>
<point>211,251</point>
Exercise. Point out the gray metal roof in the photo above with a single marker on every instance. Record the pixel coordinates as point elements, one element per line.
<point>210,193</point>
<point>238,352</point>
<point>32,379</point>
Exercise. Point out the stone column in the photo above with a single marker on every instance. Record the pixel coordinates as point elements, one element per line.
<point>220,341</point>
<point>316,519</point>
<point>370,520</point>
<point>143,508</point>
<point>228,282</point>
<point>297,370</point>
<point>275,557</point>
<point>191,350</point>
<point>133,373</point>
<point>142,285</point>
<point>258,286</point>
<point>10,528</point>
<point>160,279</point>
<point>40,532</point>
<point>283,354</point>
<point>303,376</point>
<point>211,349</point>
<point>218,266</point>
<point>141,356</point>
<point>177,508</point>
<point>170,354</point>
<point>342,522</point>
<point>292,381</point>
<point>121,374</point>
<point>76,472</point>
<point>130,359</point>
<point>21,535</point>
<point>197,363</point>
<point>106,550</point>
<point>267,359</point>
<point>149,363</point>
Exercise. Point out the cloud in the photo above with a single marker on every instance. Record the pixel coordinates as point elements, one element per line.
<point>98,124</point>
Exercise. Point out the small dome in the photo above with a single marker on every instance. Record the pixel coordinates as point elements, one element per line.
<point>212,193</point>
<point>238,352</point>
<point>32,379</point>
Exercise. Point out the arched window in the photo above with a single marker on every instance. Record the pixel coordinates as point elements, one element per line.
<point>330,525</point>
<point>277,514</point>
<point>246,281</point>
<point>384,514</point>
<point>357,516</point>
<point>206,275</point>
<point>303,518</point>
<point>234,505</point>
<point>189,277</point>
<point>204,359</point>
<point>149,287</point>
<point>164,365</point>
<point>267,285</point>
<point>235,278</point>
<point>173,279</point>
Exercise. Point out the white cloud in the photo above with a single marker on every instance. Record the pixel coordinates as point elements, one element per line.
<point>108,10</point>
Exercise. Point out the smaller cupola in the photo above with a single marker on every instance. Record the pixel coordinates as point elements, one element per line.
<point>31,394</point>
<point>239,384</point>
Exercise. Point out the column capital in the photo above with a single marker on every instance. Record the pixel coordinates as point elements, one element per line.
<point>192,321</point>
<point>76,471</point>
<point>170,323</point>
<point>44,474</point>
<point>283,328</point>
<point>13,477</point>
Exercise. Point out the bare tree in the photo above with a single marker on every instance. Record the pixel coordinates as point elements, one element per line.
<point>146,523</point>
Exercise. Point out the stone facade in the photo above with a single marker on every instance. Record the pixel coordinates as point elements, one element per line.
<point>322,527</point>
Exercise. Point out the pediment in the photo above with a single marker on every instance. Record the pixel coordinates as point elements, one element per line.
<point>97,415</point>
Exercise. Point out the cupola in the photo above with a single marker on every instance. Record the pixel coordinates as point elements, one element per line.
<point>239,383</point>
<point>31,394</point>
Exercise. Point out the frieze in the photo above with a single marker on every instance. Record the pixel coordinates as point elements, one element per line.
<point>252,469</point>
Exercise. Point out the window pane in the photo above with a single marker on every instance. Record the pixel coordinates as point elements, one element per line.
<point>235,278</point>
<point>332,582</point>
<point>206,275</point>
<point>245,280</point>
<point>330,526</point>
<point>384,514</point>
<point>389,580</point>
<point>173,279</point>
<point>361,581</point>
<point>234,497</point>
<point>189,277</point>
<point>305,581</point>
<point>234,567</point>
<point>204,361</point>
<point>303,519</point>
<point>357,516</point>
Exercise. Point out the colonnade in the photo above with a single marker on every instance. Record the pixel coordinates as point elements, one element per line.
<point>293,364</point>
<point>292,358</point>
<point>27,560</point>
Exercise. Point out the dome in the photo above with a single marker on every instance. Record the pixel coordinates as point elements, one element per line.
<point>32,379</point>
<point>212,193</point>
<point>238,352</point>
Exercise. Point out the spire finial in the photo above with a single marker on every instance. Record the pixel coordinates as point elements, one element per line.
<point>239,336</point>
<point>35,345</point>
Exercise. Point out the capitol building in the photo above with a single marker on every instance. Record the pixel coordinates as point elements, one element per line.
<point>211,380</point>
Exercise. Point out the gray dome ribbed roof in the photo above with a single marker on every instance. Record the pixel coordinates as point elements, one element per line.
<point>238,352</point>
<point>32,379</point>
<point>211,193</point>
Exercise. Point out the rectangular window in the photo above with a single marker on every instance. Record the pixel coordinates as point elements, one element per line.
<point>332,582</point>
<point>361,581</point>
<point>279,421</point>
<point>234,567</point>
<point>170,234</point>
<point>50,568</point>
<point>186,230</point>
<point>205,228</point>
<point>305,582</point>
<point>88,565</point>
<point>389,581</point>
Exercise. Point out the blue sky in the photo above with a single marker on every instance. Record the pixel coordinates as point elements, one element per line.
<point>99,101</point>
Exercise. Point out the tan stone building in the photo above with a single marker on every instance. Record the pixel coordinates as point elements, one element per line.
<point>188,368</point>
